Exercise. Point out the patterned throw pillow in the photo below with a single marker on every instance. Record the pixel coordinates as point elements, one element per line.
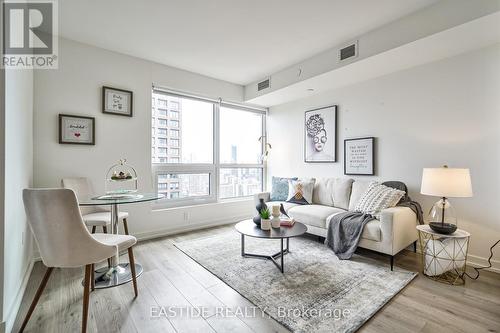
<point>300,191</point>
<point>378,197</point>
<point>279,189</point>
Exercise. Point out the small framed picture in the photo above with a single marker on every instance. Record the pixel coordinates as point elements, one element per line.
<point>320,135</point>
<point>117,101</point>
<point>359,156</point>
<point>76,129</point>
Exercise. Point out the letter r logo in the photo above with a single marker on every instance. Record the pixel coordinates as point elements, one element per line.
<point>28,27</point>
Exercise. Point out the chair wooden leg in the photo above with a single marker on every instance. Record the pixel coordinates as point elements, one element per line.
<point>86,295</point>
<point>93,229</point>
<point>92,278</point>
<point>392,263</point>
<point>39,292</point>
<point>125,226</point>
<point>132,269</point>
<point>415,246</point>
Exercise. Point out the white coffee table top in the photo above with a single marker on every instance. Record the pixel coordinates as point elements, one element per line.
<point>459,233</point>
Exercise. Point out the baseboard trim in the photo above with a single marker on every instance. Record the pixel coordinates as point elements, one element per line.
<point>202,225</point>
<point>477,261</point>
<point>158,233</point>
<point>12,314</point>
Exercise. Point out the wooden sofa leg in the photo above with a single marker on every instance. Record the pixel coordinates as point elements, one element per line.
<point>392,263</point>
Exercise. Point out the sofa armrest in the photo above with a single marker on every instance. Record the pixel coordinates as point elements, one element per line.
<point>263,195</point>
<point>398,226</point>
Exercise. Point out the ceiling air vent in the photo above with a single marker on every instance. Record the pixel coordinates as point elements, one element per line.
<point>350,51</point>
<point>263,84</point>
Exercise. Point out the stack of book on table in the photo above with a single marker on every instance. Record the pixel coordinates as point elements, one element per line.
<point>286,221</point>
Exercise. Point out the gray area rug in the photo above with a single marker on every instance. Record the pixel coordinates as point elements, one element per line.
<point>317,292</point>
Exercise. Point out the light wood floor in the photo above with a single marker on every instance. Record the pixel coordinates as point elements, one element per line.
<point>170,278</point>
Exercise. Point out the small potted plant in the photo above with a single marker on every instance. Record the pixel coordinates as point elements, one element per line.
<point>265,216</point>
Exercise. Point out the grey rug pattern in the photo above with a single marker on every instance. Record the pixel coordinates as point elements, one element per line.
<point>314,291</point>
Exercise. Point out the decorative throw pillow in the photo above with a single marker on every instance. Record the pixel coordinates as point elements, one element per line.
<point>300,191</point>
<point>279,189</point>
<point>378,197</point>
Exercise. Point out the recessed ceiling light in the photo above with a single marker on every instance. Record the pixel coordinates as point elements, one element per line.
<point>310,89</point>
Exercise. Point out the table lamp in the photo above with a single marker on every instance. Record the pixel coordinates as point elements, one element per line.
<point>446,183</point>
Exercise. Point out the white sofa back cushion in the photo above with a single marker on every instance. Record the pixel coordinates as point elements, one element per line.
<point>342,192</point>
<point>333,192</point>
<point>358,188</point>
<point>323,192</point>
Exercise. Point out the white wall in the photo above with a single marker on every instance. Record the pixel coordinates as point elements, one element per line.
<point>2,188</point>
<point>75,88</point>
<point>447,112</point>
<point>18,253</point>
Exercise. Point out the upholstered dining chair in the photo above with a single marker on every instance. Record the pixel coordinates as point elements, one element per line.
<point>64,241</point>
<point>93,216</point>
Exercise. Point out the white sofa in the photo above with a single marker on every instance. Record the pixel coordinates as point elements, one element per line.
<point>393,232</point>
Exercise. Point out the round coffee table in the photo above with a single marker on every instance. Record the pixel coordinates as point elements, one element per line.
<point>248,228</point>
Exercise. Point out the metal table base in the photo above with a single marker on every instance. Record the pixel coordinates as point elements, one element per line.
<point>274,257</point>
<point>106,277</point>
<point>117,274</point>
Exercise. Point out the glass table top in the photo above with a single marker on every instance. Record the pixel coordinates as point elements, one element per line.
<point>126,199</point>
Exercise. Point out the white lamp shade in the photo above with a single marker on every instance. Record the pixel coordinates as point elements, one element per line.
<point>446,182</point>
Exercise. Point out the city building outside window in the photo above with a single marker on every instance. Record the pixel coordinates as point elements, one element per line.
<point>184,165</point>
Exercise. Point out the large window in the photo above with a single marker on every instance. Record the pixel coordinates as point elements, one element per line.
<point>212,150</point>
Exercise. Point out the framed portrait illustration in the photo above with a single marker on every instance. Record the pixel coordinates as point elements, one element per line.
<point>320,135</point>
<point>359,156</point>
<point>76,129</point>
<point>117,101</point>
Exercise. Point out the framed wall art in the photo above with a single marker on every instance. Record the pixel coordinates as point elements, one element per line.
<point>76,129</point>
<point>359,156</point>
<point>320,135</point>
<point>117,101</point>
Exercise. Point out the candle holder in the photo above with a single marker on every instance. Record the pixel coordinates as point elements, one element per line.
<point>275,222</point>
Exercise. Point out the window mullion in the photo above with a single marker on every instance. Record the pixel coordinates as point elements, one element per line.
<point>217,149</point>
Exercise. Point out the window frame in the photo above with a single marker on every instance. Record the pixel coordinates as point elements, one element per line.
<point>213,169</point>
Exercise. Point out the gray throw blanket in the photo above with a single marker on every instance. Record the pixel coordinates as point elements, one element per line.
<point>345,229</point>
<point>344,232</point>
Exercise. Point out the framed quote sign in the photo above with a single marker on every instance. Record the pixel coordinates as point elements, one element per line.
<point>117,101</point>
<point>359,156</point>
<point>76,129</point>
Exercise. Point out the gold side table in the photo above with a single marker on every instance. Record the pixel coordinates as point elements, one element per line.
<point>444,257</point>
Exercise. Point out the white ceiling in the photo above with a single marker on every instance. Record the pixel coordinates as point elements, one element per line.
<point>239,41</point>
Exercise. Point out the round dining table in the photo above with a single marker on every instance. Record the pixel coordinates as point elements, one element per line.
<point>118,273</point>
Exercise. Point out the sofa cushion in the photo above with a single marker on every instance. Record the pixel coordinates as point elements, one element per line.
<point>286,205</point>
<point>358,188</point>
<point>301,191</point>
<point>279,189</point>
<point>378,197</point>
<point>332,192</point>
<point>323,191</point>
<point>342,192</point>
<point>372,231</point>
<point>315,215</point>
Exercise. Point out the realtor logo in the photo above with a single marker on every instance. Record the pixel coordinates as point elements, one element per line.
<point>30,34</point>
